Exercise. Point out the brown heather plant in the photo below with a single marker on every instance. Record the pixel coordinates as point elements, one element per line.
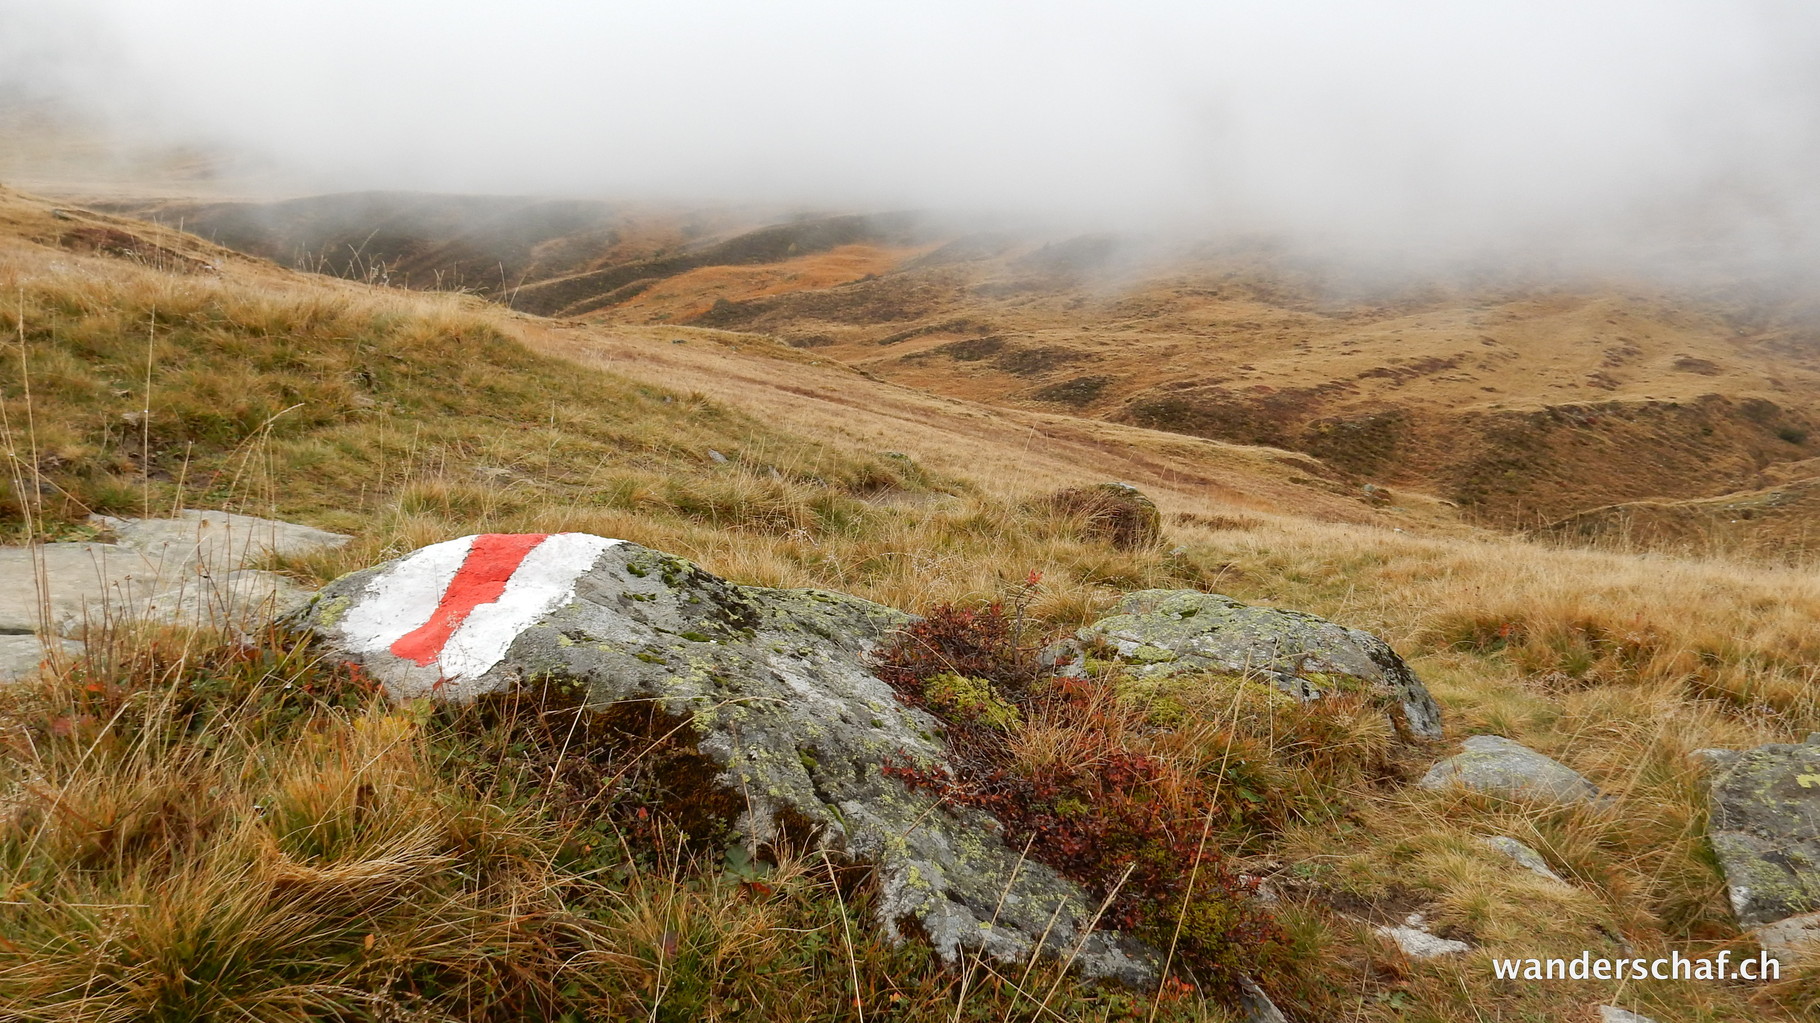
<point>196,828</point>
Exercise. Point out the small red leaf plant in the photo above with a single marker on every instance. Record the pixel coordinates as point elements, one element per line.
<point>1108,811</point>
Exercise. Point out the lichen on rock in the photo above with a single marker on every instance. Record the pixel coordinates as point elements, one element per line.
<point>1765,828</point>
<point>1168,632</point>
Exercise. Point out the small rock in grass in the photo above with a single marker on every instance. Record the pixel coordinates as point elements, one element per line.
<point>1257,1005</point>
<point>1613,1014</point>
<point>1527,858</point>
<point>1117,513</point>
<point>1413,938</point>
<point>1794,936</point>
<point>1496,766</point>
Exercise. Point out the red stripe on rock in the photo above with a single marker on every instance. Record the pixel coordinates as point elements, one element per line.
<point>483,575</point>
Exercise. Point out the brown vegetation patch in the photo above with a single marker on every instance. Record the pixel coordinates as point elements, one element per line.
<point>1078,392</point>
<point>111,241</point>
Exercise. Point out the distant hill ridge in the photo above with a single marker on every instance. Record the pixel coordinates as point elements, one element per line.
<point>1522,404</point>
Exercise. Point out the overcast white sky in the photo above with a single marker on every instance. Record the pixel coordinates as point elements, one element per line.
<point>1390,124</point>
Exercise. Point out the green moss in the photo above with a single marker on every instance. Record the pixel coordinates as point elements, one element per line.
<point>1150,655</point>
<point>1336,682</point>
<point>973,700</point>
<point>330,612</point>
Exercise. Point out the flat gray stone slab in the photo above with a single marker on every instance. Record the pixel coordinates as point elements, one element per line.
<point>216,539</point>
<point>1497,766</point>
<point>1168,632</point>
<point>189,568</point>
<point>1765,828</point>
<point>243,599</point>
<point>20,656</point>
<point>78,578</point>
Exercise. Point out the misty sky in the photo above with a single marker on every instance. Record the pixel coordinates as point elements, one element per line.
<point>1394,124</point>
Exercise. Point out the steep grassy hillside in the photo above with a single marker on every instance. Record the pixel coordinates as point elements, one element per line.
<point>193,827</point>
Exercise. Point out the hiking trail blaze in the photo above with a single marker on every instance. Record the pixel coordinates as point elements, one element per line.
<point>482,578</point>
<point>443,616</point>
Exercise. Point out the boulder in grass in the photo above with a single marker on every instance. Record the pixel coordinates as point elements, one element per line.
<point>1116,513</point>
<point>1168,632</point>
<point>1765,828</point>
<point>771,690</point>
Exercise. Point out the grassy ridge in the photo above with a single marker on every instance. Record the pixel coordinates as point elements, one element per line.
<point>344,397</point>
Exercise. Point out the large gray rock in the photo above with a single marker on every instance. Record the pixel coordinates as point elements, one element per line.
<point>1166,632</point>
<point>190,569</point>
<point>1765,828</point>
<point>771,687</point>
<point>1497,766</point>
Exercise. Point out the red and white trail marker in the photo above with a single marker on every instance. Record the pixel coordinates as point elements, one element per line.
<point>448,612</point>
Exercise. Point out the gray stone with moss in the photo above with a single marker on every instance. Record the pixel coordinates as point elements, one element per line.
<point>1497,766</point>
<point>1765,828</point>
<point>771,690</point>
<point>1167,632</point>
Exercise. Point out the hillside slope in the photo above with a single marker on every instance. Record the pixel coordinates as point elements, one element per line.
<point>1520,403</point>
<point>161,370</point>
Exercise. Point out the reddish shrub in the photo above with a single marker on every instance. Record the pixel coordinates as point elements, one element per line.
<point>1123,824</point>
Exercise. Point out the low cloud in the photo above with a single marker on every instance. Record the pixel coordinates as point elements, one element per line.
<point>1617,132</point>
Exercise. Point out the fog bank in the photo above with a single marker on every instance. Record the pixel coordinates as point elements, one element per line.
<point>1616,131</point>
